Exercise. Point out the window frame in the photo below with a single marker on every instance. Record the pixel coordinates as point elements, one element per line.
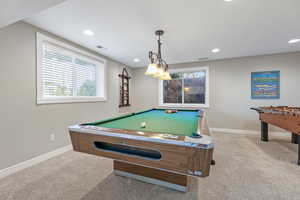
<point>185,105</point>
<point>40,39</point>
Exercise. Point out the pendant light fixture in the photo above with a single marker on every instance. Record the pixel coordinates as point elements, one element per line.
<point>158,68</point>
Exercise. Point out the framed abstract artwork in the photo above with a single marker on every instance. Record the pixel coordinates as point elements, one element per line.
<point>265,85</point>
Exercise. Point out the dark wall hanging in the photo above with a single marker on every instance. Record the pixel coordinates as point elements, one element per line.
<point>124,88</point>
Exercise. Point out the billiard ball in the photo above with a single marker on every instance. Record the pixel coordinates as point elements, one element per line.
<point>143,124</point>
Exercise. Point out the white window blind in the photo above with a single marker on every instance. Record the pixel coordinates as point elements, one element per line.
<point>68,76</point>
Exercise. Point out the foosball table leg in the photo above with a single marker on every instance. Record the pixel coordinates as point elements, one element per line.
<point>264,131</point>
<point>213,162</point>
<point>298,150</point>
<point>295,138</point>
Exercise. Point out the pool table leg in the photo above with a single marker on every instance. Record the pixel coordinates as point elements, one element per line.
<point>167,179</point>
<point>264,131</point>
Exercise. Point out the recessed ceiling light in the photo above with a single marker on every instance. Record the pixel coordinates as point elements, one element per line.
<point>136,60</point>
<point>292,41</point>
<point>227,0</point>
<point>216,50</point>
<point>88,32</point>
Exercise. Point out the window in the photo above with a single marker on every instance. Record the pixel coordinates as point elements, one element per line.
<point>188,88</point>
<point>66,74</point>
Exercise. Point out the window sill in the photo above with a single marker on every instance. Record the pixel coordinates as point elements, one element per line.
<point>70,100</point>
<point>184,105</point>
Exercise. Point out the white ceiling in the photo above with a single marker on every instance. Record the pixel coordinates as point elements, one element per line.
<point>192,27</point>
<point>15,10</point>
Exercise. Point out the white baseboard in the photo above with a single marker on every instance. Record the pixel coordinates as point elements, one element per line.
<point>243,132</point>
<point>33,161</point>
<point>234,131</point>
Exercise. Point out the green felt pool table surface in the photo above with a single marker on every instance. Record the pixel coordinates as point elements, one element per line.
<point>184,122</point>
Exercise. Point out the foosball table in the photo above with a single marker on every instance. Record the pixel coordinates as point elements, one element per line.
<point>284,117</point>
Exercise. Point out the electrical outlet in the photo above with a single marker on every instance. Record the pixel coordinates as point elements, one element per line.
<point>52,137</point>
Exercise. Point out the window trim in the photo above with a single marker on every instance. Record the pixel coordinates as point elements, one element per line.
<point>40,38</point>
<point>185,105</point>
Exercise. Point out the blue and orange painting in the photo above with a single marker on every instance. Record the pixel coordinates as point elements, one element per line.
<point>265,85</point>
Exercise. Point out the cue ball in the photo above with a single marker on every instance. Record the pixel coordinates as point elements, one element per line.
<point>143,124</point>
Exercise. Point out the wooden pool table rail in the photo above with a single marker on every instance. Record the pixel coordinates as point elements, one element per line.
<point>201,130</point>
<point>204,140</point>
<point>189,160</point>
<point>181,154</point>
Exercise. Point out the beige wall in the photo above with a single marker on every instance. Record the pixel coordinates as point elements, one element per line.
<point>230,94</point>
<point>25,126</point>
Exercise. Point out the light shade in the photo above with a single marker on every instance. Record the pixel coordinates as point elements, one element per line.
<point>151,70</point>
<point>166,76</point>
<point>159,73</point>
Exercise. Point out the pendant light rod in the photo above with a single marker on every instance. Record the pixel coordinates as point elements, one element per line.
<point>158,67</point>
<point>159,33</point>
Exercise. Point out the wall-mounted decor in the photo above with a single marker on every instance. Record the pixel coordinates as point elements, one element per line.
<point>124,88</point>
<point>265,85</point>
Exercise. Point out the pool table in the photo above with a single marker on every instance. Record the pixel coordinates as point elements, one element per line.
<point>151,146</point>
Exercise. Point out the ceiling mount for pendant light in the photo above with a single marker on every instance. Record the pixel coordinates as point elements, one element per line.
<point>158,67</point>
